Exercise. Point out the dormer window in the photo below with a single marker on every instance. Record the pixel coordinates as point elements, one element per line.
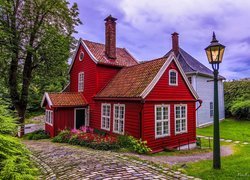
<point>81,56</point>
<point>80,82</point>
<point>173,77</point>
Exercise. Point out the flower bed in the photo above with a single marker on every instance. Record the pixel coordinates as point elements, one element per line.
<point>85,136</point>
<point>97,139</point>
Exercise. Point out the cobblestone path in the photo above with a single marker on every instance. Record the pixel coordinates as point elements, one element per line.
<point>61,161</point>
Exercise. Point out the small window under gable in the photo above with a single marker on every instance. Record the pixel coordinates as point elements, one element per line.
<point>173,77</point>
<point>81,56</point>
<point>80,81</point>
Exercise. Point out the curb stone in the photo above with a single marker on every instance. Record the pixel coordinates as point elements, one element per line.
<point>46,170</point>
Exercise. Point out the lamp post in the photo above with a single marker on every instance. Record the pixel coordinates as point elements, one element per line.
<point>214,54</point>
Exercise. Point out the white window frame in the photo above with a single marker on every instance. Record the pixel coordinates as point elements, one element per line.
<point>80,81</point>
<point>119,119</point>
<point>181,118</point>
<point>49,117</point>
<point>106,117</point>
<point>169,79</point>
<point>211,108</point>
<point>162,121</point>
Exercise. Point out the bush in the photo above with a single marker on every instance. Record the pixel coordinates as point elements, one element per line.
<point>241,109</point>
<point>14,158</point>
<point>62,137</point>
<point>237,98</point>
<point>36,135</point>
<point>134,144</point>
<point>7,121</point>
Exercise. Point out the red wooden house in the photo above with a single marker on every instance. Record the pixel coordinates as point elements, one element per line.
<point>109,90</point>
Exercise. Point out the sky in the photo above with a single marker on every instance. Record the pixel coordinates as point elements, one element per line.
<point>144,27</point>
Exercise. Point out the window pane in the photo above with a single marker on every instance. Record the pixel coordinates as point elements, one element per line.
<point>165,127</point>
<point>177,126</point>
<point>165,112</point>
<point>177,111</point>
<point>183,124</point>
<point>158,113</point>
<point>183,111</point>
<point>121,126</point>
<point>103,122</point>
<point>158,128</point>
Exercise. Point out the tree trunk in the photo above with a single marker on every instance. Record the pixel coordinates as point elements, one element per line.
<point>21,115</point>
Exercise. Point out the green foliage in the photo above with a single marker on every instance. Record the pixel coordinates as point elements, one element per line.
<point>7,122</point>
<point>100,132</point>
<point>36,37</point>
<point>241,109</point>
<point>237,99</point>
<point>62,137</point>
<point>134,144</point>
<point>36,135</point>
<point>14,159</point>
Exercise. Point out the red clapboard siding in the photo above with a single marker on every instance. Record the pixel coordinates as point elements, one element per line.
<point>163,90</point>
<point>172,140</point>
<point>64,119</point>
<point>104,75</point>
<point>88,66</point>
<point>132,116</point>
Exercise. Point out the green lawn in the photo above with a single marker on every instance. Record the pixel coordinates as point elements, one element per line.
<point>229,129</point>
<point>235,166</point>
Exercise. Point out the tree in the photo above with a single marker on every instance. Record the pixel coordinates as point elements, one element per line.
<point>35,36</point>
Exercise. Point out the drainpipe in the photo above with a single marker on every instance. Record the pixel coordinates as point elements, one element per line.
<point>200,103</point>
<point>141,115</point>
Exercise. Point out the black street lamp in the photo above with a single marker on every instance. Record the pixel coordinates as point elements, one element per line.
<point>215,53</point>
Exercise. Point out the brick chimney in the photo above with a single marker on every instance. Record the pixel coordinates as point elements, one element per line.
<point>110,37</point>
<point>175,43</point>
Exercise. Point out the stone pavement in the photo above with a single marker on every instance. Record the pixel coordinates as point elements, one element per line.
<point>62,161</point>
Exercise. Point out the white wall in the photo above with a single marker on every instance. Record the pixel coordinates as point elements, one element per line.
<point>205,90</point>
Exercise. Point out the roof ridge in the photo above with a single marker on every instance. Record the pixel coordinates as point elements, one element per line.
<point>146,62</point>
<point>100,43</point>
<point>185,58</point>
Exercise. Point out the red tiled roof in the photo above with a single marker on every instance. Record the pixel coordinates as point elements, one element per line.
<point>123,58</point>
<point>67,99</point>
<point>132,81</point>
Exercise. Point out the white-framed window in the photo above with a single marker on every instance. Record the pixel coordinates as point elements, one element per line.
<point>162,120</point>
<point>180,118</point>
<point>105,121</point>
<point>49,117</point>
<point>81,55</point>
<point>211,109</point>
<point>173,77</point>
<point>80,81</point>
<point>119,118</point>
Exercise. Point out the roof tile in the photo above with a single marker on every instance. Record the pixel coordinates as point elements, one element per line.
<point>132,81</point>
<point>67,99</point>
<point>123,58</point>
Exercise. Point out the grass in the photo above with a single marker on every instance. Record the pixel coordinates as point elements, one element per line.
<point>235,166</point>
<point>205,148</point>
<point>229,129</point>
